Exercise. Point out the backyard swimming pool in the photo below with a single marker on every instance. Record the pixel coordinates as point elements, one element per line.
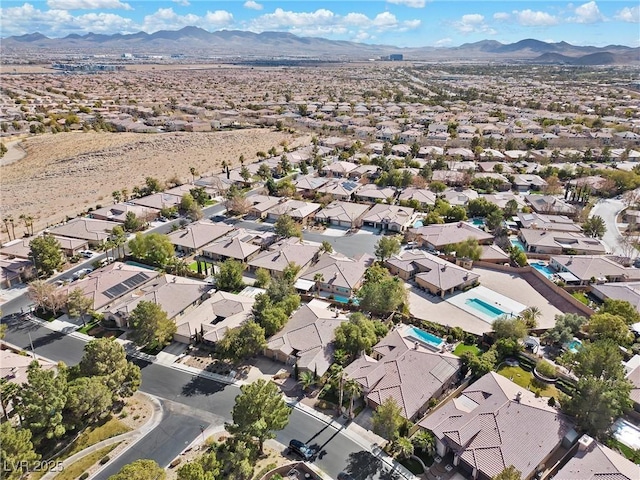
<point>517,243</point>
<point>477,222</point>
<point>544,269</point>
<point>574,345</point>
<point>341,299</point>
<point>429,340</point>
<point>484,307</point>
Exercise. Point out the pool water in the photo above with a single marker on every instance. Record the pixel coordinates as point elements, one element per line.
<point>430,340</point>
<point>477,222</point>
<point>517,243</point>
<point>341,299</point>
<point>484,307</point>
<point>574,345</point>
<point>418,224</point>
<point>544,269</point>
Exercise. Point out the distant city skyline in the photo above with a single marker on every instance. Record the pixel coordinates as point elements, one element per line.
<point>403,23</point>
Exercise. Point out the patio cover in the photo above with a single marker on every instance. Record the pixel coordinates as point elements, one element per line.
<point>568,277</point>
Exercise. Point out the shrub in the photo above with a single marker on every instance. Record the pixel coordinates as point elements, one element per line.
<point>545,369</point>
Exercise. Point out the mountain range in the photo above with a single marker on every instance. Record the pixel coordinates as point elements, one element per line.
<point>195,41</point>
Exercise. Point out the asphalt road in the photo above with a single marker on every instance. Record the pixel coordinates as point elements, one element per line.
<point>191,401</point>
<point>609,209</point>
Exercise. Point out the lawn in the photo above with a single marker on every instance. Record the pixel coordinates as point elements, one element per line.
<point>461,348</point>
<point>85,329</point>
<point>628,452</point>
<point>77,468</point>
<point>193,267</point>
<point>526,380</point>
<point>91,436</point>
<point>581,297</point>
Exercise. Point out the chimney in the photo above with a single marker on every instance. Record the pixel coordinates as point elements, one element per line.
<point>518,397</point>
<point>584,443</point>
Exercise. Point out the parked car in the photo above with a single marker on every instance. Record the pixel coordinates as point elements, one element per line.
<point>85,253</point>
<point>301,449</point>
<point>107,261</point>
<point>81,273</point>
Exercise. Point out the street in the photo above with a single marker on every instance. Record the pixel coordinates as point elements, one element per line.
<point>609,209</point>
<point>191,401</point>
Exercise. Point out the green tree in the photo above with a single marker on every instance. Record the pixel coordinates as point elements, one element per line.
<point>153,248</point>
<point>357,335</point>
<point>511,328</point>
<point>437,186</point>
<point>481,207</point>
<point>119,239</point>
<point>479,365</point>
<point>140,470</point>
<point>132,223</point>
<point>259,411</point>
<point>424,440</point>
<point>353,390</point>
<point>242,342</point>
<point>493,221</point>
<point>510,209</point>
<point>46,254</point>
<point>264,172</point>
<point>42,400</point>
<point>150,325</point>
<point>518,257</point>
<point>387,419</point>
<point>386,247</point>
<point>469,248</point>
<point>608,326</point>
<point>189,207</point>
<point>17,454</point>
<point>263,277</point>
<point>402,448</point>
<point>229,276</point>
<point>326,247</point>
<point>273,319</point>
<point>384,297</point>
<point>106,359</point>
<point>565,328</point>
<point>8,393</point>
<point>622,308</point>
<point>594,227</point>
<point>200,195</point>
<point>152,185</point>
<point>78,304</point>
<point>509,473</point>
<point>530,316</point>
<point>306,380</point>
<point>287,227</point>
<point>88,400</point>
<point>206,467</point>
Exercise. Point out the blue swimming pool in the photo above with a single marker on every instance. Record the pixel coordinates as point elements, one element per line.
<point>341,299</point>
<point>484,307</point>
<point>477,222</point>
<point>544,269</point>
<point>418,224</point>
<point>574,345</point>
<point>517,243</point>
<point>429,340</point>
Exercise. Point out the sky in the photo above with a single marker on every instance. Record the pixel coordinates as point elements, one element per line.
<point>403,23</point>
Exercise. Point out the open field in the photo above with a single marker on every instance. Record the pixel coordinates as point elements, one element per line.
<point>64,174</point>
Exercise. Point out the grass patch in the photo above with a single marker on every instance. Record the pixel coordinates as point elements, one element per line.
<point>581,297</point>
<point>526,380</point>
<point>88,327</point>
<point>412,465</point>
<point>628,452</point>
<point>77,468</point>
<point>461,348</point>
<point>91,436</point>
<point>193,267</point>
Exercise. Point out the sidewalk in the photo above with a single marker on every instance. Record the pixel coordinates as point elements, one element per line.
<point>135,436</point>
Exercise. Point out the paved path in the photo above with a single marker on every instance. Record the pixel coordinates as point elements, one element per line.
<point>133,436</point>
<point>608,210</point>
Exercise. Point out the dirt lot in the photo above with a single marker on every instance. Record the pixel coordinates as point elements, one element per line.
<point>64,174</point>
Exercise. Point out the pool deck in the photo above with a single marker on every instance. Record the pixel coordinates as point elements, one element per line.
<point>507,305</point>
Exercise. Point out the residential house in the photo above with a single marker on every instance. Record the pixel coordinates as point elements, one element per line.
<point>502,198</point>
<point>107,284</point>
<point>261,204</point>
<point>459,197</point>
<point>284,253</point>
<point>342,214</point>
<point>118,212</point>
<point>14,365</point>
<point>14,271</point>
<point>209,321</point>
<point>94,232</point>
<point>496,423</point>
<point>528,182</point>
<point>405,368</point>
<point>493,254</point>
<point>423,196</point>
<point>371,193</point>
<point>193,237</point>
<point>623,290</point>
<point>338,169</point>
<point>438,236</point>
<point>430,272</point>
<point>307,338</point>
<point>452,178</point>
<point>335,274</point>
<point>632,373</point>
<point>339,189</point>
<point>158,201</point>
<point>541,221</point>
<point>308,185</point>
<point>586,269</point>
<point>241,245</point>
<point>557,243</point>
<point>594,461</point>
<point>298,210</point>
<point>550,205</point>
<point>174,295</point>
<point>389,217</point>
<point>20,248</point>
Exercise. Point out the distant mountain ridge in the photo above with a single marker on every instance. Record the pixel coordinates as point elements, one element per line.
<point>193,40</point>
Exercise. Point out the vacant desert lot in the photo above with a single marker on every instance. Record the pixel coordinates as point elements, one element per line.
<point>64,174</point>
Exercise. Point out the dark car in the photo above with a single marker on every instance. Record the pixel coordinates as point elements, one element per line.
<point>301,449</point>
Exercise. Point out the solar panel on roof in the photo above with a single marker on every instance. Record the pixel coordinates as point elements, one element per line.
<point>128,284</point>
<point>349,185</point>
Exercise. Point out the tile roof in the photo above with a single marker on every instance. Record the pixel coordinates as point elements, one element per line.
<point>198,234</point>
<point>450,233</point>
<point>382,213</point>
<point>586,266</point>
<point>553,239</point>
<point>594,461</point>
<point>338,270</point>
<point>85,229</point>
<point>284,253</point>
<point>342,211</point>
<point>233,246</point>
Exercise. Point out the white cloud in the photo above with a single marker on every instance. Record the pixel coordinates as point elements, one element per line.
<point>252,5</point>
<point>587,13</point>
<point>443,42</point>
<point>501,16</point>
<point>167,19</point>
<point>182,3</point>
<point>409,3</point>
<point>530,18</point>
<point>473,23</point>
<point>631,15</point>
<point>87,4</point>
<point>323,22</point>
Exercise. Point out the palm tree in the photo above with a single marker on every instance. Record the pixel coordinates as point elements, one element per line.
<point>337,374</point>
<point>125,194</point>
<point>354,390</point>
<point>13,226</point>
<point>5,220</point>
<point>193,172</point>
<point>306,380</point>
<point>530,315</point>
<point>424,440</point>
<point>318,277</point>
<point>117,196</point>
<point>403,447</point>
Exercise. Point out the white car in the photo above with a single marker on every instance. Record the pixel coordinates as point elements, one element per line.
<point>85,253</point>
<point>81,273</point>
